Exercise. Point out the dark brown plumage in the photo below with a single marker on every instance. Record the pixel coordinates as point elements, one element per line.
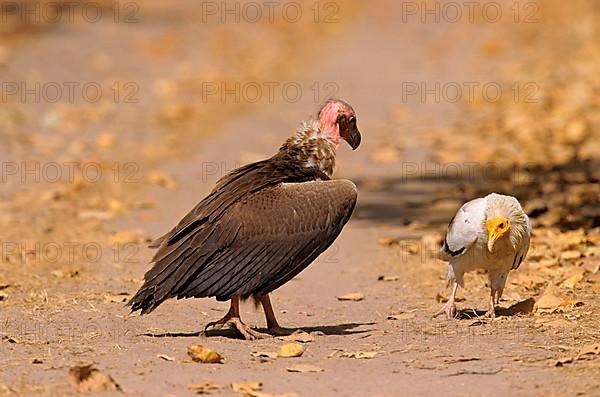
<point>261,225</point>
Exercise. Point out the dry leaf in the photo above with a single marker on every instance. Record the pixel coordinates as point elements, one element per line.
<point>571,281</point>
<point>264,354</point>
<point>388,278</point>
<point>204,387</point>
<point>353,296</point>
<point>570,255</point>
<point>388,242</point>
<point>290,350</point>
<point>401,316</point>
<point>304,368</point>
<point>118,298</point>
<point>300,336</point>
<point>593,349</point>
<point>359,354</point>
<point>552,300</point>
<point>86,378</point>
<point>246,387</point>
<point>204,355</point>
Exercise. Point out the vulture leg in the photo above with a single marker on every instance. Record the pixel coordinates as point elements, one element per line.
<point>272,324</point>
<point>491,311</point>
<point>450,307</point>
<point>232,318</point>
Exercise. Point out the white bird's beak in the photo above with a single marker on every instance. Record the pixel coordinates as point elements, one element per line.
<point>490,244</point>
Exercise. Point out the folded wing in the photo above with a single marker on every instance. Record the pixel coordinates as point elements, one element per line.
<point>251,246</point>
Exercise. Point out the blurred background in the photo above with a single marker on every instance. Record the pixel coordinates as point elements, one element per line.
<point>117,117</point>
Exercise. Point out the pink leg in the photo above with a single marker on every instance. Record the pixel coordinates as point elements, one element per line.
<point>491,310</point>
<point>450,307</point>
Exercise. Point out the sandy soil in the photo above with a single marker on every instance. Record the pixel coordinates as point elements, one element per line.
<point>57,312</point>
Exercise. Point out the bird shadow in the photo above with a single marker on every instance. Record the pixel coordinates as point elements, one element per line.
<point>522,307</point>
<point>231,333</point>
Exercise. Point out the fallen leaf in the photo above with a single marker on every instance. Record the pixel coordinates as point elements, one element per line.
<point>552,300</point>
<point>570,255</point>
<point>360,354</point>
<point>401,316</point>
<point>562,361</point>
<point>301,336</point>
<point>388,242</point>
<point>246,387</point>
<point>304,368</point>
<point>571,281</point>
<point>388,278</point>
<point>264,354</point>
<point>204,355</point>
<point>86,378</point>
<point>353,296</point>
<point>204,387</point>
<point>118,298</point>
<point>593,349</point>
<point>290,350</point>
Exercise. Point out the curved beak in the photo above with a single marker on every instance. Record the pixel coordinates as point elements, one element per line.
<point>491,240</point>
<point>352,136</point>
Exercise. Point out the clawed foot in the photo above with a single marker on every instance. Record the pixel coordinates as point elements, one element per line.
<point>235,322</point>
<point>449,308</point>
<point>491,313</point>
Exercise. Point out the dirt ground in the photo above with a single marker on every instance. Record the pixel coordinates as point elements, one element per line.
<point>74,247</point>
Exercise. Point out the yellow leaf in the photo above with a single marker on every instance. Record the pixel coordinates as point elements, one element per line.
<point>204,387</point>
<point>204,355</point>
<point>86,378</point>
<point>291,350</point>
<point>353,296</point>
<point>570,255</point>
<point>571,281</point>
<point>246,387</point>
<point>304,368</point>
<point>360,354</point>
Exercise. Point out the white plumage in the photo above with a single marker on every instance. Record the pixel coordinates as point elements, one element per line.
<point>490,233</point>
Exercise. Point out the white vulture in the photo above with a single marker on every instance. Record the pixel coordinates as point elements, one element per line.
<point>490,233</point>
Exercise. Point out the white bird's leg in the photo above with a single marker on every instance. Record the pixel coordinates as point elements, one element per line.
<point>491,310</point>
<point>232,318</point>
<point>450,307</point>
<point>272,324</point>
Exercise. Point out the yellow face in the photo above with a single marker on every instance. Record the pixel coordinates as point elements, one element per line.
<point>496,228</point>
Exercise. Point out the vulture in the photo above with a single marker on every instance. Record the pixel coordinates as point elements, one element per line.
<point>261,225</point>
<point>490,233</point>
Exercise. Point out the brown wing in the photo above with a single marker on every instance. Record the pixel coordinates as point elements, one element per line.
<point>258,244</point>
